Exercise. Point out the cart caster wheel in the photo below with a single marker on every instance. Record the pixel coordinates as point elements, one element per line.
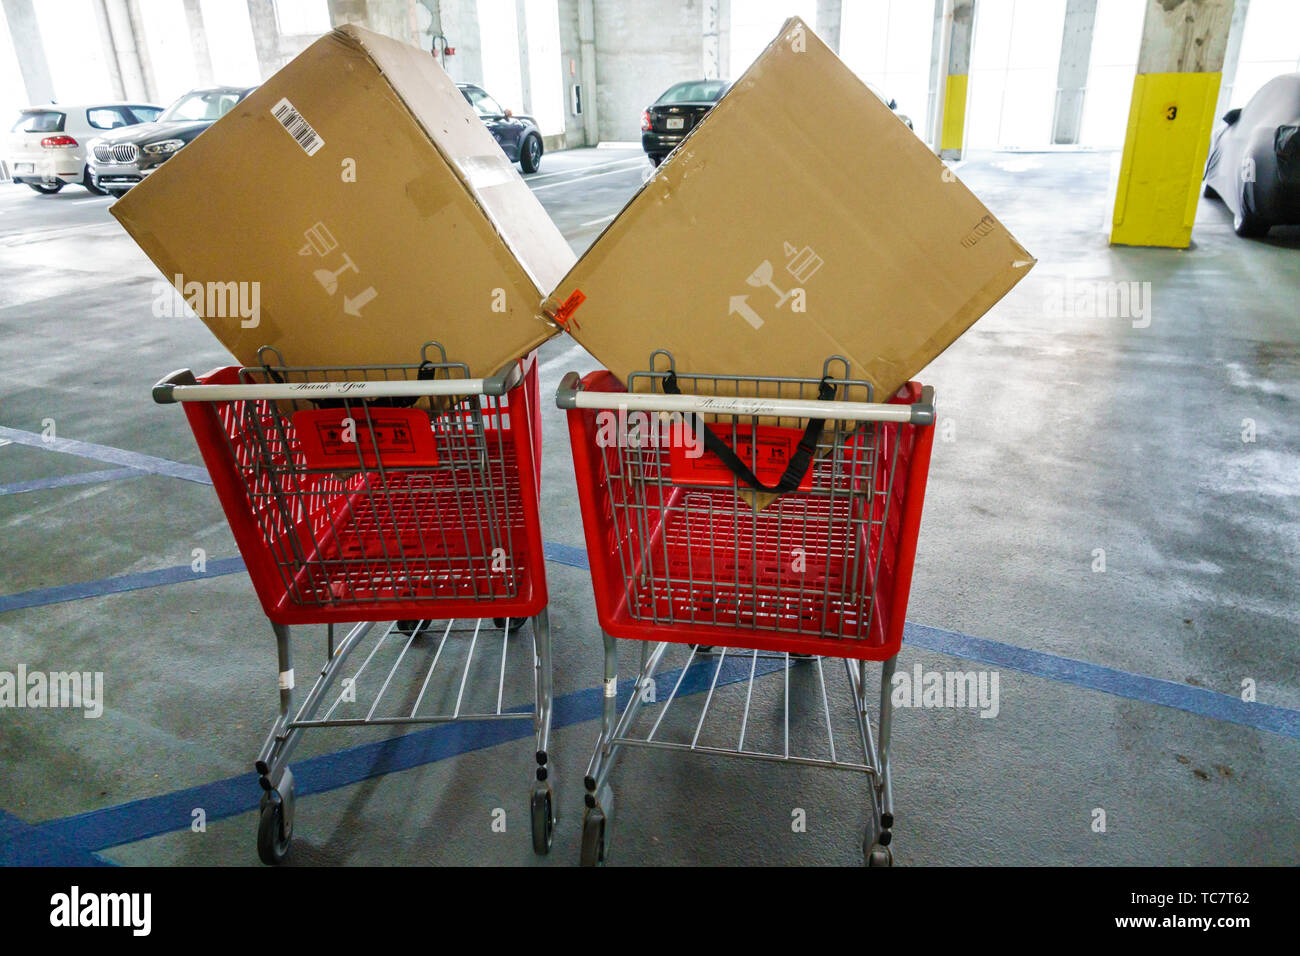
<point>593,837</point>
<point>275,822</point>
<point>543,818</point>
<point>702,648</point>
<point>879,855</point>
<point>272,840</point>
<point>408,627</point>
<point>516,623</point>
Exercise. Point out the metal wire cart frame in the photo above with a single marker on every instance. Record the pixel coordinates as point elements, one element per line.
<point>401,493</point>
<point>683,555</point>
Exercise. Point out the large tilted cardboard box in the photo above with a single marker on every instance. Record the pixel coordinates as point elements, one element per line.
<point>371,207</point>
<point>800,219</point>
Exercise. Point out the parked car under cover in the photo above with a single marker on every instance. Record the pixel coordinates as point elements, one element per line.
<point>1254,159</point>
<point>121,159</point>
<point>518,136</point>
<point>46,147</point>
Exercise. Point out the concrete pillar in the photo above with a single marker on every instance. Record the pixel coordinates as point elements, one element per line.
<point>525,75</point>
<point>587,70</point>
<point>133,30</point>
<point>110,51</point>
<point>951,105</point>
<point>1231,56</point>
<point>266,35</point>
<point>717,39</point>
<point>570,56</point>
<point>1170,117</point>
<point>199,41</point>
<point>937,38</point>
<point>29,50</point>
<point>122,50</point>
<point>1072,71</point>
<point>724,40</point>
<point>712,39</point>
<point>829,17</point>
<point>457,20</point>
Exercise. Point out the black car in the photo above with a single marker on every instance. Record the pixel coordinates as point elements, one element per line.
<point>118,160</point>
<point>667,121</point>
<point>518,136</point>
<point>1254,159</point>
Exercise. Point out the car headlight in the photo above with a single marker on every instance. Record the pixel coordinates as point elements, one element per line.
<point>165,147</point>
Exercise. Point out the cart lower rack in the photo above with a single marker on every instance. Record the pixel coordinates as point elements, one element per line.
<point>782,536</point>
<point>404,493</point>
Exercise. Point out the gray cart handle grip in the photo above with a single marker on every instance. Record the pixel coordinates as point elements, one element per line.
<point>571,395</point>
<point>181,386</point>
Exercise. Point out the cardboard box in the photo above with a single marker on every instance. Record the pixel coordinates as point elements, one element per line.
<point>800,219</point>
<point>370,207</point>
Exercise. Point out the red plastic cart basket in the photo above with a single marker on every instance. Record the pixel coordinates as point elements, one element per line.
<point>404,494</point>
<point>685,552</point>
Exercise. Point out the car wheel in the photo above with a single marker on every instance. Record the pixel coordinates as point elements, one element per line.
<point>89,182</point>
<point>1210,193</point>
<point>1245,222</point>
<point>48,190</point>
<point>655,160</point>
<point>530,154</point>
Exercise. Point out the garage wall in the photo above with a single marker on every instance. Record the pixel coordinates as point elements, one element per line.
<point>641,50</point>
<point>570,72</point>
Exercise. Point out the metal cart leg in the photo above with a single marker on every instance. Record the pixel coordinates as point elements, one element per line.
<point>597,819</point>
<point>276,825</point>
<point>880,851</point>
<point>275,822</point>
<point>542,804</point>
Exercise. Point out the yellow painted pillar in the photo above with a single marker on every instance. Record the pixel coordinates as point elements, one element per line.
<point>952,130</point>
<point>1170,117</point>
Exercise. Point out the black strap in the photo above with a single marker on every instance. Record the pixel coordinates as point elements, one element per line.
<point>799,462</point>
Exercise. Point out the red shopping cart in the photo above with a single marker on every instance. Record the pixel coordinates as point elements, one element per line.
<point>686,555</point>
<point>401,494</point>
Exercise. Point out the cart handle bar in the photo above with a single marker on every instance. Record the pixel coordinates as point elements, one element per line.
<point>181,386</point>
<point>570,395</point>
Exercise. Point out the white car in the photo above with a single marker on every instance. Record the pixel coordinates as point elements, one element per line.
<point>46,148</point>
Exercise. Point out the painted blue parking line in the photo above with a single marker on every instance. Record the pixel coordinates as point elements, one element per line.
<point>566,554</point>
<point>179,574</point>
<point>221,799</point>
<point>1108,680</point>
<point>559,553</point>
<point>1153,690</point>
<point>106,453</point>
<point>22,844</point>
<point>97,830</point>
<point>67,481</point>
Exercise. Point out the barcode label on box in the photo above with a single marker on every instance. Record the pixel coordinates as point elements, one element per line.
<point>297,127</point>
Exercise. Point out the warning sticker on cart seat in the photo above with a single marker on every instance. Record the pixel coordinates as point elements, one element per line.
<point>297,127</point>
<point>776,446</point>
<point>338,438</point>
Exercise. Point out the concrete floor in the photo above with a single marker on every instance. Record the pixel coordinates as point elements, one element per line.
<point>1069,434</point>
